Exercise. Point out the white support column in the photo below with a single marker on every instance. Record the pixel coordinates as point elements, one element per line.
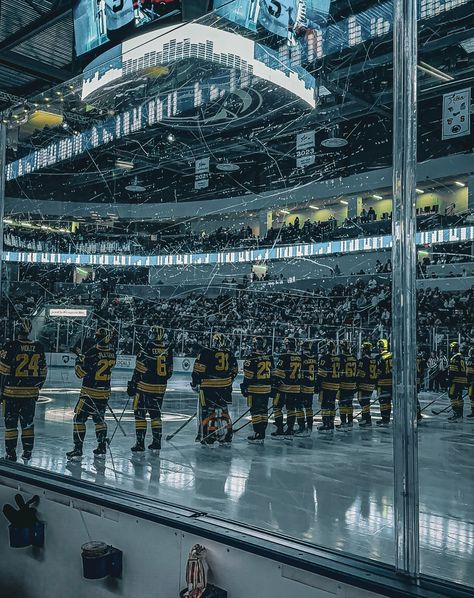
<point>405,442</point>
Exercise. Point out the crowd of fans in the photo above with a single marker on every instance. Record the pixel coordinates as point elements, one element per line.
<point>174,240</point>
<point>362,308</point>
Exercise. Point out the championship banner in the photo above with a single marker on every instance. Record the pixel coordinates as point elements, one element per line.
<point>201,180</point>
<point>305,149</point>
<point>456,114</point>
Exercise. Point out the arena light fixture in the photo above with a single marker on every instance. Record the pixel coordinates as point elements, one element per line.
<point>419,190</point>
<point>334,141</point>
<point>284,211</point>
<point>344,202</point>
<point>314,207</point>
<point>459,184</point>
<point>377,196</point>
<point>227,167</point>
<point>135,186</point>
<point>124,164</point>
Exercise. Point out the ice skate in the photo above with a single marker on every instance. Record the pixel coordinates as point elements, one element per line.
<point>26,456</point>
<point>75,454</point>
<point>278,434</point>
<point>155,445</point>
<point>383,423</point>
<point>138,447</point>
<point>324,429</point>
<point>470,416</point>
<point>256,439</point>
<point>455,418</point>
<point>302,433</point>
<point>10,456</point>
<point>100,451</point>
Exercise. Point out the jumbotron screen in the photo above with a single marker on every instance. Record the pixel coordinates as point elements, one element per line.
<point>97,22</point>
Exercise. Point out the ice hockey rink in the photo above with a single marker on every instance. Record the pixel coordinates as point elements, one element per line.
<point>335,491</point>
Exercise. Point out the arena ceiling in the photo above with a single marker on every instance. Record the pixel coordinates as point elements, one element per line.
<point>36,53</point>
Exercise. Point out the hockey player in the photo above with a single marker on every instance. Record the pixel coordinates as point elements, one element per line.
<point>470,379</point>
<point>347,385</point>
<point>329,380</point>
<point>287,381</point>
<point>257,386</point>
<point>23,366</point>
<point>214,371</point>
<point>384,383</point>
<point>457,381</point>
<point>366,381</point>
<point>95,370</point>
<point>309,366</point>
<point>153,369</point>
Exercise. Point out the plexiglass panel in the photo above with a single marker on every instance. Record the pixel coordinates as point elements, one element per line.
<point>445,291</point>
<point>200,227</point>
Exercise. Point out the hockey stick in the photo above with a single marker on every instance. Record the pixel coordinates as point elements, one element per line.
<point>436,412</point>
<point>119,425</point>
<point>120,419</point>
<point>189,420</point>
<point>433,401</point>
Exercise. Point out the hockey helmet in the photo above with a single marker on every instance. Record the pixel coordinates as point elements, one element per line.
<point>25,326</point>
<point>307,346</point>
<point>367,346</point>
<point>290,343</point>
<point>382,344</point>
<point>157,333</point>
<point>471,351</point>
<point>218,340</point>
<point>345,346</point>
<point>454,346</point>
<point>258,343</point>
<point>103,335</point>
<point>330,347</point>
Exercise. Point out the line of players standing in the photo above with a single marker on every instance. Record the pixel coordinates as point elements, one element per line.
<point>291,383</point>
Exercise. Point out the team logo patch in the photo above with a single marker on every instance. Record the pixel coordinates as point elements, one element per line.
<point>186,364</point>
<point>66,358</point>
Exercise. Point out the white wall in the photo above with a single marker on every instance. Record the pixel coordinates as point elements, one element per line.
<point>154,557</point>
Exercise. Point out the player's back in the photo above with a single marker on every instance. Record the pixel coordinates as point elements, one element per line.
<point>155,367</point>
<point>348,371</point>
<point>96,369</point>
<point>367,373</point>
<point>309,367</point>
<point>23,363</point>
<point>258,372</point>
<point>288,371</point>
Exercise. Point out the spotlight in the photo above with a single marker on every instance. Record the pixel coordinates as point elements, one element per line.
<point>171,138</point>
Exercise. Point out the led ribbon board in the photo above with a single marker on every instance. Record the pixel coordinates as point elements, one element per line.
<point>240,256</point>
<point>67,312</point>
